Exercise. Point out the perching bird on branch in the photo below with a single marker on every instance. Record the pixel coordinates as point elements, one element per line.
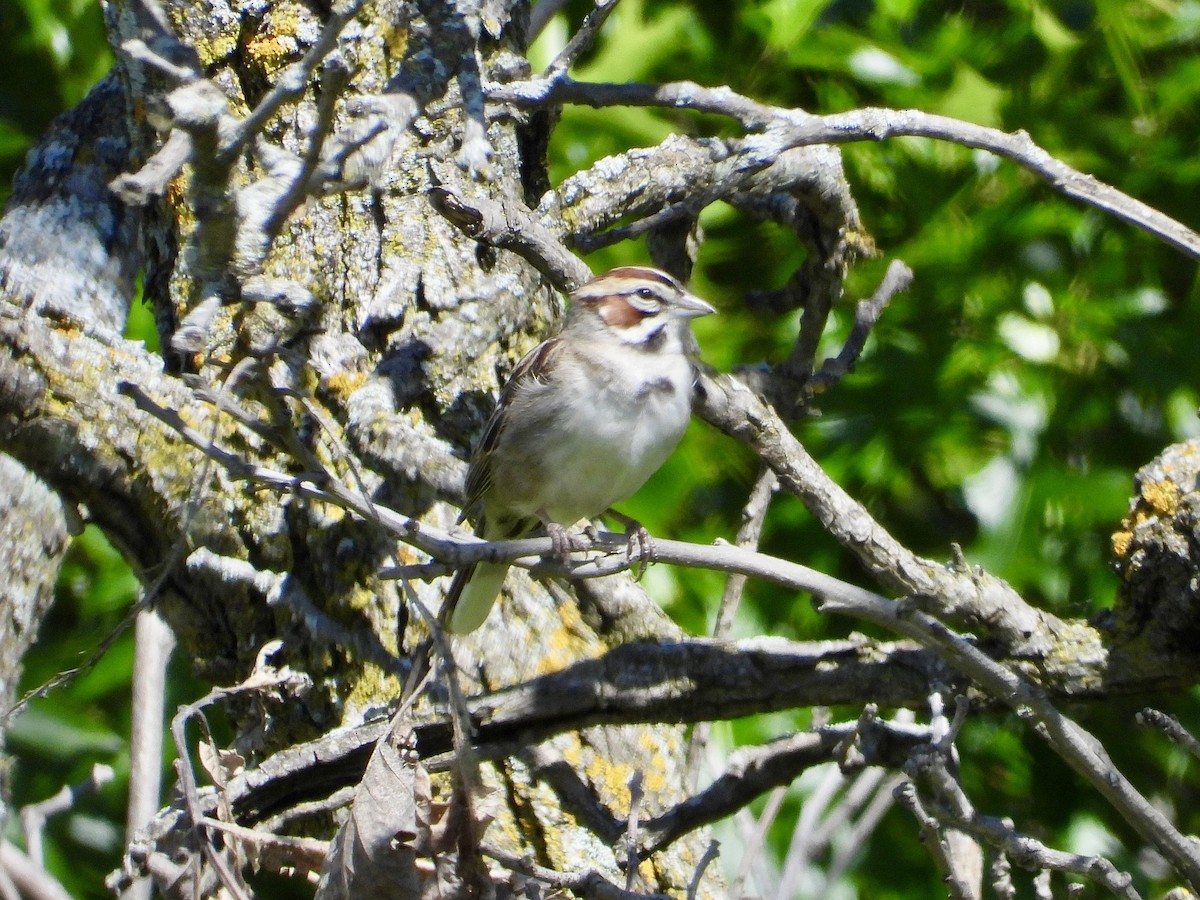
<point>586,418</point>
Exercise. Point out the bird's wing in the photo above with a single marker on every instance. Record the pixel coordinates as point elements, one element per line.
<point>535,365</point>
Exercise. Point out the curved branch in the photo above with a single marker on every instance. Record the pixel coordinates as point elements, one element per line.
<point>782,129</point>
<point>685,681</point>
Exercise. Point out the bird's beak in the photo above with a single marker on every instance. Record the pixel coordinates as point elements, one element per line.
<point>689,306</point>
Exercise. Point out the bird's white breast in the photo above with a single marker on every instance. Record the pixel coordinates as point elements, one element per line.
<point>626,413</point>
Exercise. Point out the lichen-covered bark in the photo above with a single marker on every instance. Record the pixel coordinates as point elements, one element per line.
<point>411,332</point>
<point>33,540</point>
<point>1155,625</point>
<point>67,253</point>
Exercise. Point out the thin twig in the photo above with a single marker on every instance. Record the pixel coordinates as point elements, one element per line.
<point>931,834</point>
<point>583,39</point>
<point>509,225</point>
<point>755,841</point>
<point>1077,747</point>
<point>187,775</point>
<point>895,281</point>
<point>1172,728</point>
<point>150,181</point>
<point>805,845</point>
<point>28,880</point>
<point>589,883</point>
<point>754,514</point>
<point>882,799</point>
<point>34,815</point>
<point>293,80</point>
<point>711,852</point>
<point>636,794</point>
<point>751,772</point>
<point>154,642</point>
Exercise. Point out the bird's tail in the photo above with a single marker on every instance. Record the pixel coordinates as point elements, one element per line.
<point>471,595</point>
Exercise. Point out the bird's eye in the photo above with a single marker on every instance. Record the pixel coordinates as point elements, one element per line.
<point>645,293</point>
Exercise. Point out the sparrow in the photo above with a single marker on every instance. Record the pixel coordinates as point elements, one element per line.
<point>585,419</point>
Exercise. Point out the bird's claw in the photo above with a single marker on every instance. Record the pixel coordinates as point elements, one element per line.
<point>636,533</point>
<point>564,542</point>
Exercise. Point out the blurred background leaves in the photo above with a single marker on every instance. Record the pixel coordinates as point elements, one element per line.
<point>1043,354</point>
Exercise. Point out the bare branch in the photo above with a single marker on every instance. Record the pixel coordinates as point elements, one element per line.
<point>752,115</point>
<point>1079,749</point>
<point>754,514</point>
<point>636,795</point>
<point>293,80</point>
<point>962,595</point>
<point>28,879</point>
<point>785,128</point>
<point>264,678</point>
<point>1033,854</point>
<point>509,225</point>
<point>711,853</point>
<point>951,813</point>
<point>753,771</point>
<point>934,836</point>
<point>154,642</point>
<point>866,314</point>
<point>755,837</point>
<point>150,181</point>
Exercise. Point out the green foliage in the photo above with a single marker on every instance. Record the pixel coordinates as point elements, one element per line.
<point>1044,352</point>
<point>58,739</point>
<point>53,51</point>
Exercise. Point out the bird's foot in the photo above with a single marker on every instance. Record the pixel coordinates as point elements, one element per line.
<point>565,542</point>
<point>637,536</point>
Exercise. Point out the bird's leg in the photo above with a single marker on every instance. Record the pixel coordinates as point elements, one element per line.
<point>636,533</point>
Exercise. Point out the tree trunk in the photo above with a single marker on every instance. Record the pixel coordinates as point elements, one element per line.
<point>401,338</point>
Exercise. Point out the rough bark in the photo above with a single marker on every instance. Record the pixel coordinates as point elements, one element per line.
<point>407,337</point>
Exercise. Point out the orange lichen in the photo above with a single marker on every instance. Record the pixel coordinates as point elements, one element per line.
<point>1120,543</point>
<point>1163,496</point>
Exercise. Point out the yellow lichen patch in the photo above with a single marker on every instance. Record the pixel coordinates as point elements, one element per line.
<point>573,753</point>
<point>1163,496</point>
<point>372,688</point>
<point>610,779</point>
<point>68,328</point>
<point>1120,543</point>
<point>565,644</point>
<point>343,384</point>
<point>395,40</point>
<point>359,598</point>
<point>406,556</point>
<point>656,774</point>
<point>276,42</point>
<point>657,747</point>
<point>212,48</point>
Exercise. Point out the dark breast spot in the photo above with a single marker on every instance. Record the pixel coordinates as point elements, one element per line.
<point>657,386</point>
<point>656,338</point>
